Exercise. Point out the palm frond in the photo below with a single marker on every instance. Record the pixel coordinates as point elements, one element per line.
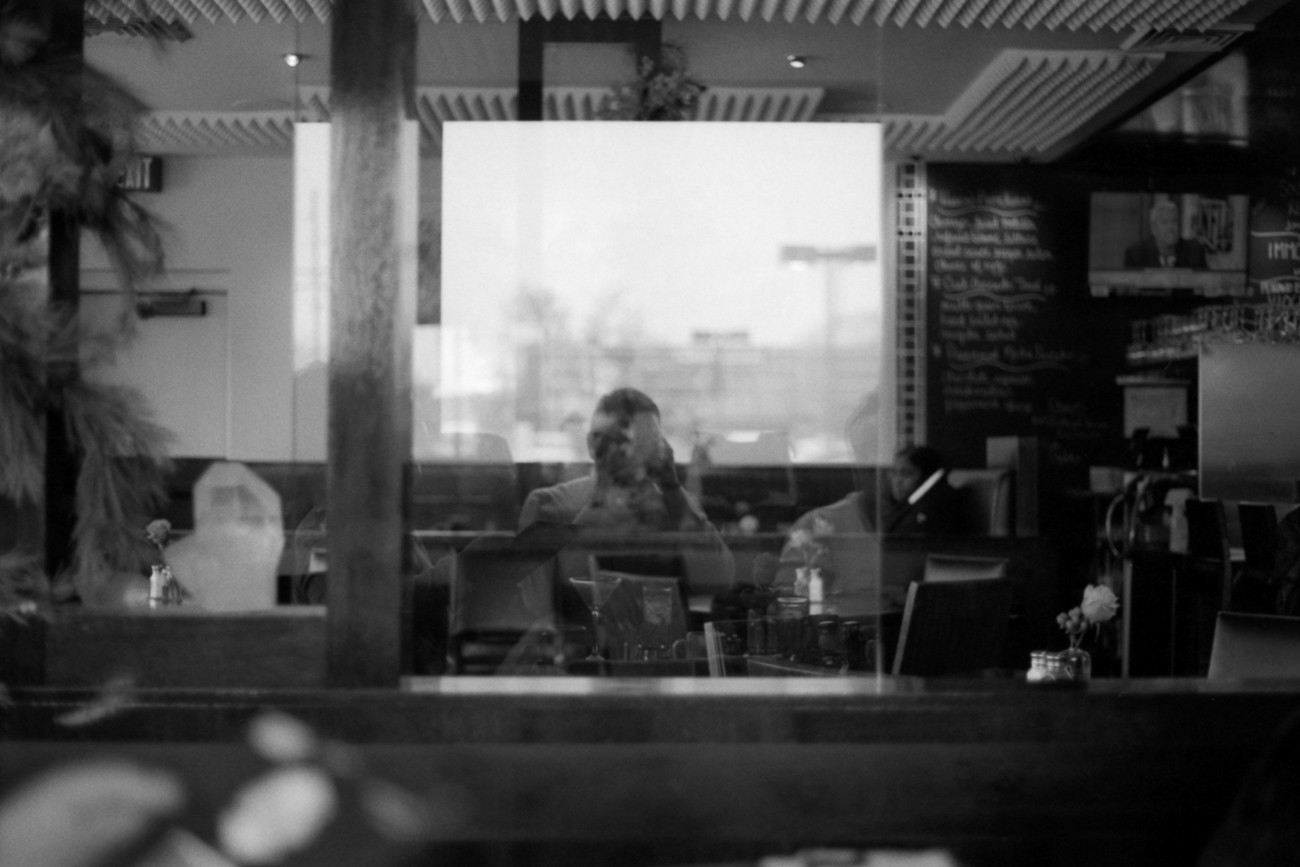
<point>120,485</point>
<point>22,445</point>
<point>23,398</point>
<point>113,421</point>
<point>67,133</point>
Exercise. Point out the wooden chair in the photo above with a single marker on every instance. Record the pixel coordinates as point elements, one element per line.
<point>1205,584</point>
<point>1209,557</point>
<point>986,498</point>
<point>1252,589</point>
<point>959,567</point>
<point>503,590</point>
<point>1255,646</point>
<point>953,626</point>
<point>625,614</point>
<point>1258,534</point>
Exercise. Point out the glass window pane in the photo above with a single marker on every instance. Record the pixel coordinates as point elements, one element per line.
<point>579,259</point>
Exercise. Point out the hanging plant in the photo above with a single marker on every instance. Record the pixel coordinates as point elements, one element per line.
<point>662,90</point>
<point>67,135</point>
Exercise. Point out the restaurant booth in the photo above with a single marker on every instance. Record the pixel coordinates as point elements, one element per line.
<point>409,247</point>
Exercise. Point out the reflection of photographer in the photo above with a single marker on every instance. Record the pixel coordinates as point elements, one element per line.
<point>1165,248</point>
<point>636,482</point>
<point>633,487</point>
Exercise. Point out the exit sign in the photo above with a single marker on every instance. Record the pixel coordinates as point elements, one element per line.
<point>143,175</point>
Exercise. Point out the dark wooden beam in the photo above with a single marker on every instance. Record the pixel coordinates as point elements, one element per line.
<point>372,298</point>
<point>1112,772</point>
<point>645,34</point>
<point>282,648</point>
<point>62,464</point>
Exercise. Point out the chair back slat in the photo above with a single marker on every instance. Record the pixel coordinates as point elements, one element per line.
<point>951,627</point>
<point>957,567</point>
<point>1258,534</point>
<point>1208,554</point>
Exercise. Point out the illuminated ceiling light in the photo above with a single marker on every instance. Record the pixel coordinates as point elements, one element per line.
<point>293,58</point>
<point>796,61</point>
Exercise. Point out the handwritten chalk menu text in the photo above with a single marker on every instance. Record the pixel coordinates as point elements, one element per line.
<point>1011,329</point>
<point>980,246</point>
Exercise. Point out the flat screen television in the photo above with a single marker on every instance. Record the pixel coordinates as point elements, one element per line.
<point>1150,243</point>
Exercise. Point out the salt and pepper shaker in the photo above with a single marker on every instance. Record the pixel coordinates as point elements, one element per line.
<point>163,589</point>
<point>816,585</point>
<point>157,585</point>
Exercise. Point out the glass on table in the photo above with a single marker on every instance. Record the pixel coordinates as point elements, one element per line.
<point>791,612</point>
<point>760,639</point>
<point>657,616</point>
<point>595,592</point>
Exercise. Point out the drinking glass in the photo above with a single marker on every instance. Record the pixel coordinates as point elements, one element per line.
<point>595,592</point>
<point>791,612</point>
<point>657,605</point>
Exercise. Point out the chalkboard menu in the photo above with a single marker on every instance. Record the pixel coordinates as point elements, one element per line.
<point>1016,345</point>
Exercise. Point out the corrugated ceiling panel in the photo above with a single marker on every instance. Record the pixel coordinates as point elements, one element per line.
<point>1022,105</point>
<point>1053,18</point>
<point>1029,102</point>
<point>182,131</point>
<point>1028,14</point>
<point>1087,12</point>
<point>1025,101</point>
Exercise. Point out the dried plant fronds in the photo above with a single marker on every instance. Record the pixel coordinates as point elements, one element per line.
<point>120,485</point>
<point>22,445</point>
<point>68,133</point>
<point>662,90</point>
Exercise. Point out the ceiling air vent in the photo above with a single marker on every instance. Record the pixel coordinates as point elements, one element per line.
<point>1199,41</point>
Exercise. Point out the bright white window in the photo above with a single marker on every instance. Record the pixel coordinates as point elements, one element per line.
<point>732,271</point>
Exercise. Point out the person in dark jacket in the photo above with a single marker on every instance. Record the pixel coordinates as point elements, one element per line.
<point>1165,247</point>
<point>922,502</point>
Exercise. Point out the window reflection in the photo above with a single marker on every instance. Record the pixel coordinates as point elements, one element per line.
<point>1212,106</point>
<point>657,265</point>
<point>656,347</point>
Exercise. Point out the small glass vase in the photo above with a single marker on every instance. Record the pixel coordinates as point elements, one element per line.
<point>1077,660</point>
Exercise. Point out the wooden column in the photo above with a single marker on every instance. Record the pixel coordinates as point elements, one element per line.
<point>372,299</point>
<point>62,464</point>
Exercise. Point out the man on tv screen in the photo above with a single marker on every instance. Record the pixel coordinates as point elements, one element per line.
<point>1165,248</point>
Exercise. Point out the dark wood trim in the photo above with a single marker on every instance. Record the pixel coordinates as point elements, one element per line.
<point>372,300</point>
<point>534,33</point>
<point>1175,713</point>
<point>283,648</point>
<point>1114,773</point>
<point>62,463</point>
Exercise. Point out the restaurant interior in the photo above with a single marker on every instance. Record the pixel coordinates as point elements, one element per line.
<point>751,433</point>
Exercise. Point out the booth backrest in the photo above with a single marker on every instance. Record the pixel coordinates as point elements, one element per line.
<point>1255,646</point>
<point>986,498</point>
<point>963,567</point>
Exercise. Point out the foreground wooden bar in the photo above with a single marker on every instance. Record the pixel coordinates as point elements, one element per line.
<point>579,770</point>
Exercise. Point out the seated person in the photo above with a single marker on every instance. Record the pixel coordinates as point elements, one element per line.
<point>920,501</point>
<point>633,490</point>
<point>1165,247</point>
